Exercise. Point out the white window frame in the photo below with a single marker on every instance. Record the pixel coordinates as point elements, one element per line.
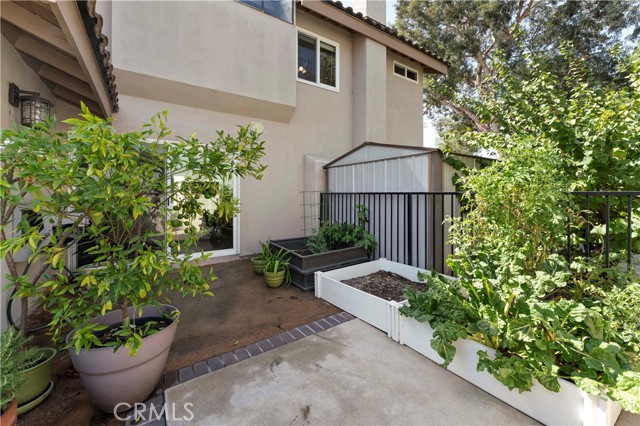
<point>318,40</point>
<point>235,183</point>
<point>406,68</point>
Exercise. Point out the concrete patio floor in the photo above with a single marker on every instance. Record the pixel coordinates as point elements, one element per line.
<point>352,374</point>
<point>243,311</point>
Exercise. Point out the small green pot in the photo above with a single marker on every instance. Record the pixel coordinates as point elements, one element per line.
<point>274,279</point>
<point>37,377</point>
<point>258,264</point>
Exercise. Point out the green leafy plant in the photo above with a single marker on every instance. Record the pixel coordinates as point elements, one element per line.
<point>265,249</point>
<point>20,192</point>
<point>546,318</point>
<point>227,207</point>
<point>113,191</point>
<point>15,356</point>
<point>331,235</point>
<point>278,261</point>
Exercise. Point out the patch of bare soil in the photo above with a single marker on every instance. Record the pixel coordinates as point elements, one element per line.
<point>243,311</point>
<point>386,285</point>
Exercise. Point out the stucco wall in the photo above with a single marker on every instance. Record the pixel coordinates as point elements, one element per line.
<point>320,125</point>
<point>15,70</point>
<point>229,55</point>
<point>404,104</point>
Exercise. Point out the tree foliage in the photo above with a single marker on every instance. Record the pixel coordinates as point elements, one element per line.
<point>468,34</point>
<point>546,318</point>
<point>130,199</point>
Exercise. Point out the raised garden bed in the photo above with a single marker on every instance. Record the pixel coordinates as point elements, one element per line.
<point>380,313</point>
<point>570,406</point>
<point>303,266</point>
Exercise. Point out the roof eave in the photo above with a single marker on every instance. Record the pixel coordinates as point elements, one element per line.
<point>374,30</point>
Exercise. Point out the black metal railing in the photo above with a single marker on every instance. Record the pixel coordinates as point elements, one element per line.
<point>598,209</point>
<point>410,227</point>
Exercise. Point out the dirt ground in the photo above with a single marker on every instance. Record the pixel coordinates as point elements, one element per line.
<point>386,285</point>
<point>243,311</point>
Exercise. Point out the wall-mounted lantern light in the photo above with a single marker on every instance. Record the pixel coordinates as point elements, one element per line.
<point>33,108</point>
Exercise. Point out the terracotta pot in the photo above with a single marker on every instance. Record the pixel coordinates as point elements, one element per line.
<point>116,377</point>
<point>37,377</point>
<point>10,416</point>
<point>274,279</point>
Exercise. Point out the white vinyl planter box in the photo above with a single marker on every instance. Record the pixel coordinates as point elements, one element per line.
<point>570,406</point>
<point>371,309</point>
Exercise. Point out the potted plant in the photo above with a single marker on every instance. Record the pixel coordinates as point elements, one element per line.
<point>333,245</point>
<point>126,195</point>
<point>258,261</point>
<point>14,355</point>
<point>276,268</point>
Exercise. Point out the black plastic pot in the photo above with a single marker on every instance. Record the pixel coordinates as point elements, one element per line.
<point>303,267</point>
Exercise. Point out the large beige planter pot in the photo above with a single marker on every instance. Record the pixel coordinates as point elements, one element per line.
<point>113,378</point>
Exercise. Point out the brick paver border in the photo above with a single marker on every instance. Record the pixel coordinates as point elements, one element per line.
<point>201,368</point>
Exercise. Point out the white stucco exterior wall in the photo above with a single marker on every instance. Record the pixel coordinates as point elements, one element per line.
<point>370,91</point>
<point>14,70</point>
<point>404,104</point>
<point>224,55</point>
<point>321,124</point>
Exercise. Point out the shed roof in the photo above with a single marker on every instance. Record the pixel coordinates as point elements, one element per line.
<point>373,151</point>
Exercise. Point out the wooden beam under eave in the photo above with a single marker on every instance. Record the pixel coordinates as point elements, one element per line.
<point>35,26</point>
<point>63,79</point>
<point>43,53</point>
<point>74,99</point>
<point>73,27</point>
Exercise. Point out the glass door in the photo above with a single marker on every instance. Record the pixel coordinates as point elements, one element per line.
<point>217,231</point>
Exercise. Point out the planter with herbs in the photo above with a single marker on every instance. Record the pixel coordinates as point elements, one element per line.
<point>276,268</point>
<point>570,405</point>
<point>332,246</point>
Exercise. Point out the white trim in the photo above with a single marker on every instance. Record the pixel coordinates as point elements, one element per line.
<point>235,183</point>
<point>319,39</point>
<point>406,69</point>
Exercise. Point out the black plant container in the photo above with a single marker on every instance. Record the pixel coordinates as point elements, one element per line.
<point>303,267</point>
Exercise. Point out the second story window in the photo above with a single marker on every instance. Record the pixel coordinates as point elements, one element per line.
<point>318,60</point>
<point>404,71</point>
<point>281,9</point>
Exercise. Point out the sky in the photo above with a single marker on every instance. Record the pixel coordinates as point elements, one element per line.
<point>429,132</point>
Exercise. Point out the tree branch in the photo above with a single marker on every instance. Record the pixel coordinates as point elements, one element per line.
<point>466,112</point>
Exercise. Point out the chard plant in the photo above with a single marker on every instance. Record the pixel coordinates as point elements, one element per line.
<point>130,201</point>
<point>516,292</point>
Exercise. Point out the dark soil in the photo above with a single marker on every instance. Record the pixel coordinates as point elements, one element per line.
<point>153,324</point>
<point>386,285</point>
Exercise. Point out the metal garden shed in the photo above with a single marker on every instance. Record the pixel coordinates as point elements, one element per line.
<point>408,192</point>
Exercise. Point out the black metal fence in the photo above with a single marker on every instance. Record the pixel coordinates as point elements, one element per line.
<point>409,227</point>
<point>607,226</point>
